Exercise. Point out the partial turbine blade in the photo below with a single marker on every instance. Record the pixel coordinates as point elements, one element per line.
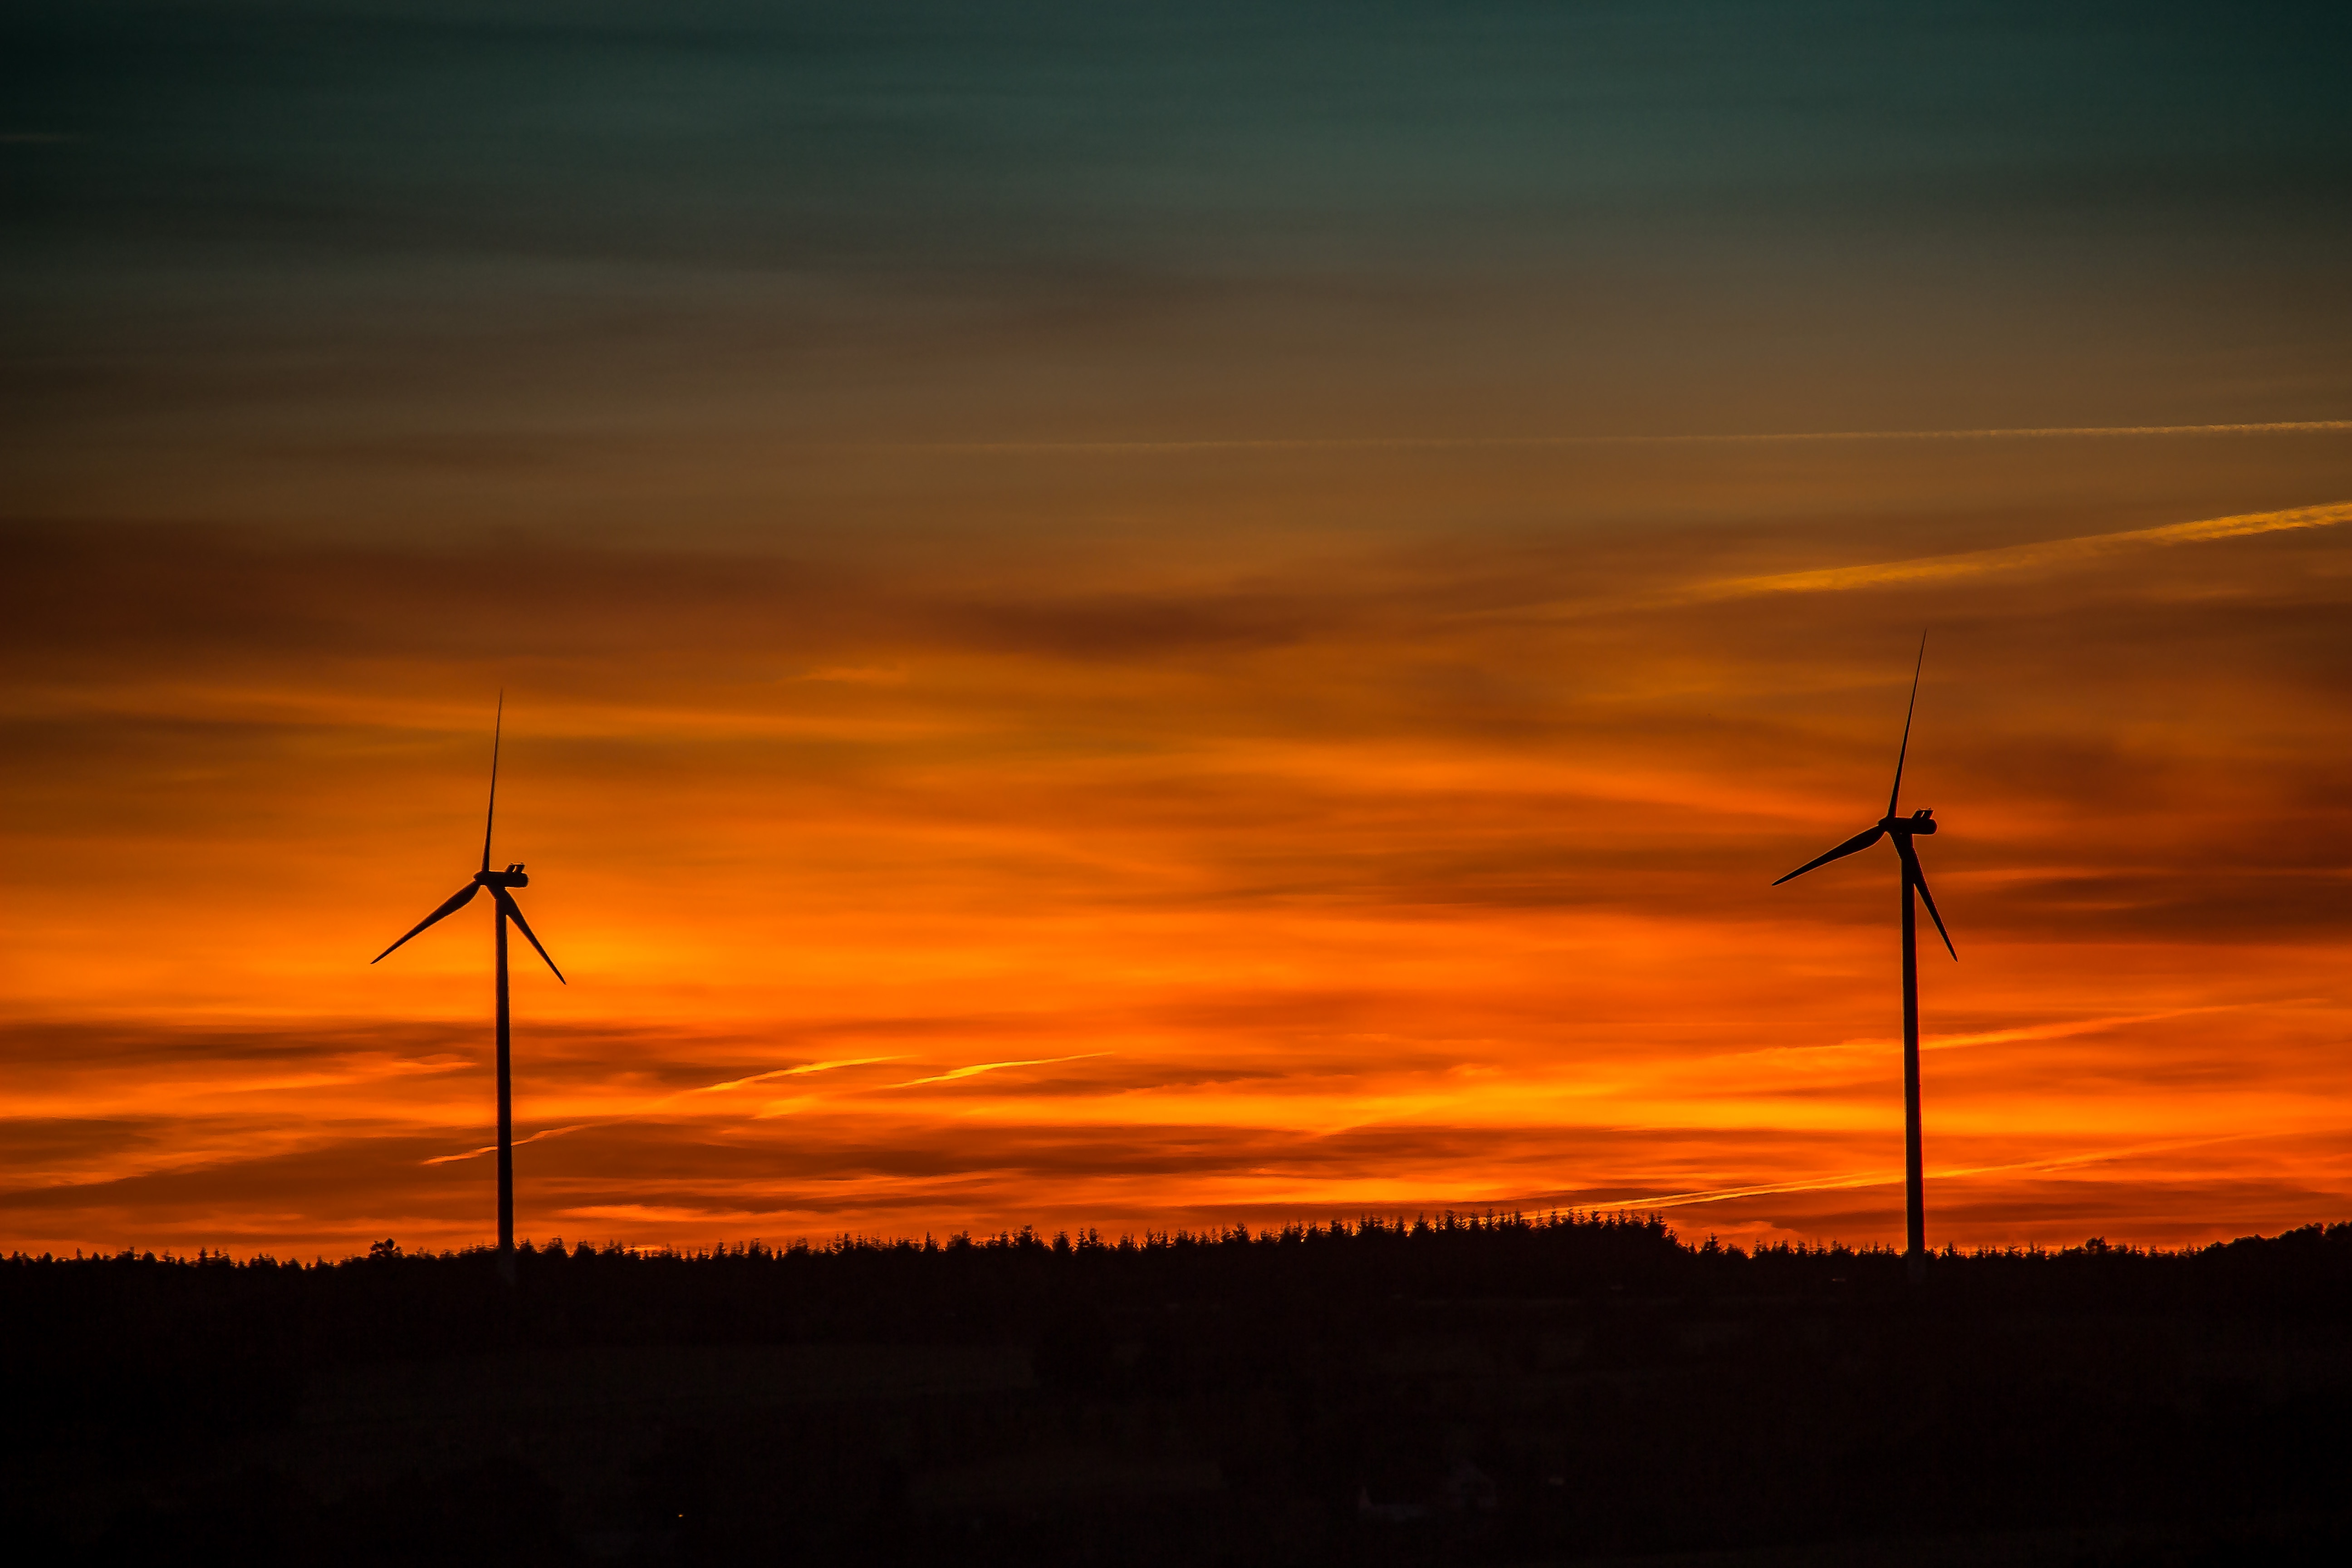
<point>1920,880</point>
<point>514,913</point>
<point>1860,841</point>
<point>1896,793</point>
<point>498,726</point>
<point>456,900</point>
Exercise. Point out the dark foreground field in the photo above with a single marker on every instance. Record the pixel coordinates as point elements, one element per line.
<point>1483,1391</point>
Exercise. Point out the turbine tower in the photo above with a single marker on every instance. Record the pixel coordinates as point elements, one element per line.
<point>498,883</point>
<point>1902,831</point>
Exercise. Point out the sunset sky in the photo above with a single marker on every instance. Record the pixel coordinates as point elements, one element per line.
<point>1168,616</point>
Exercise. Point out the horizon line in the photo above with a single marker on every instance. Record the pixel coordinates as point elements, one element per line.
<point>1090,1236</point>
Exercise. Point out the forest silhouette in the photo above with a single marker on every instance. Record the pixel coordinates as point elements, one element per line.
<point>1481,1388</point>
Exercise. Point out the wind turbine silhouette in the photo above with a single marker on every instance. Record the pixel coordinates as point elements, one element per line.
<point>1902,829</point>
<point>498,882</point>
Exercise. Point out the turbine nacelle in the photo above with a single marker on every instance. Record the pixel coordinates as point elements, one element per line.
<point>1920,821</point>
<point>511,876</point>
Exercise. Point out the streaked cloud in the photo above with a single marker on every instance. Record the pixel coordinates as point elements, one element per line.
<point>775,1073</point>
<point>492,1148</point>
<point>953,1074</point>
<point>1727,438</point>
<point>1890,1177</point>
<point>2024,557</point>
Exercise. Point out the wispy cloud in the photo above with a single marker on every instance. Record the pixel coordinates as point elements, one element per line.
<point>978,1068</point>
<point>789,1072</point>
<point>492,1148</point>
<point>2020,557</point>
<point>1749,438</point>
<point>2057,1031</point>
<point>1881,1178</point>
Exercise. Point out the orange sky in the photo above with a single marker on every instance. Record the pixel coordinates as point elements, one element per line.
<point>1131,619</point>
<point>1179,876</point>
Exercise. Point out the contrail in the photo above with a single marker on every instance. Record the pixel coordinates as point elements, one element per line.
<point>787,1072</point>
<point>492,1148</point>
<point>2017,557</point>
<point>2077,1026</point>
<point>1929,569</point>
<point>1441,443</point>
<point>991,1066</point>
<point>2058,1031</point>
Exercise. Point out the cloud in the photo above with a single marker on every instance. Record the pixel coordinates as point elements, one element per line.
<point>1507,443</point>
<point>977,1068</point>
<point>790,1072</point>
<point>2024,557</point>
<point>1882,1178</point>
<point>492,1148</point>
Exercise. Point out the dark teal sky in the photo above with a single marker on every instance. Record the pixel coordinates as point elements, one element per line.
<point>239,222</point>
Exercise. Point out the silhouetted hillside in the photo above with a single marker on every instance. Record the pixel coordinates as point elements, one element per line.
<point>1480,1389</point>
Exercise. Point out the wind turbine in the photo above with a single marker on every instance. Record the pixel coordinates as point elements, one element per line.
<point>498,883</point>
<point>1902,831</point>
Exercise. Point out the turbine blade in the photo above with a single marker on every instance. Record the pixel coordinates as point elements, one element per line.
<point>1920,880</point>
<point>514,913</point>
<point>498,726</point>
<point>455,901</point>
<point>1858,842</point>
<point>1896,793</point>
